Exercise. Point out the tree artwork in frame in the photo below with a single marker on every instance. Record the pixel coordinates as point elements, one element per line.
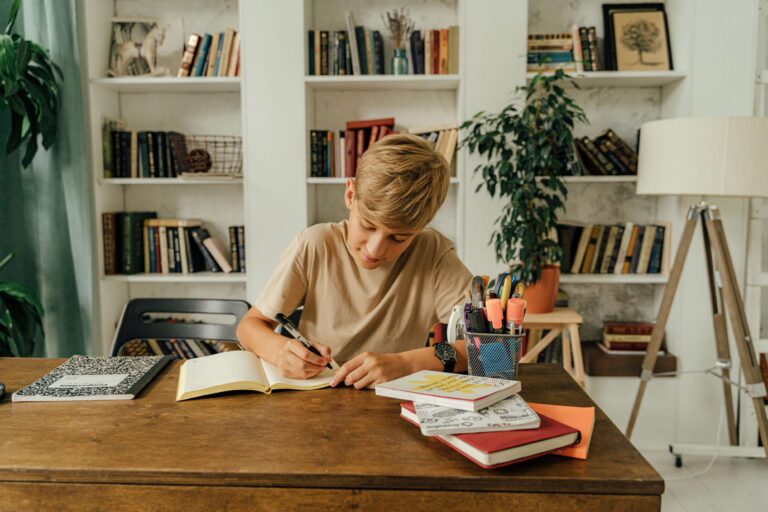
<point>641,41</point>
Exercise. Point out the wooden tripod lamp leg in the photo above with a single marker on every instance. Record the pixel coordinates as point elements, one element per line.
<point>721,333</point>
<point>739,325</point>
<point>649,361</point>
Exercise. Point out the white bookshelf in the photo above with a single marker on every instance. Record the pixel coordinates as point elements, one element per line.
<point>169,84</point>
<point>591,79</point>
<point>613,278</point>
<point>195,106</point>
<point>383,82</point>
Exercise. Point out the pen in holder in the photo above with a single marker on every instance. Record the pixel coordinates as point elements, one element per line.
<point>493,355</point>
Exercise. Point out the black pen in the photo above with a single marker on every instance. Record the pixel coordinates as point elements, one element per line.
<point>293,331</point>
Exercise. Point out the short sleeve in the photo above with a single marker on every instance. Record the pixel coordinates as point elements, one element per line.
<point>452,280</point>
<point>287,286</point>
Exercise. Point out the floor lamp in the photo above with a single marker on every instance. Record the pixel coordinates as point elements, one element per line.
<point>708,157</point>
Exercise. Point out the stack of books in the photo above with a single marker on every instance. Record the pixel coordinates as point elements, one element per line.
<point>486,420</point>
<point>627,338</point>
<point>613,249</point>
<point>360,51</point>
<point>548,52</point>
<point>211,55</point>
<point>142,154</point>
<point>606,155</point>
<point>136,242</point>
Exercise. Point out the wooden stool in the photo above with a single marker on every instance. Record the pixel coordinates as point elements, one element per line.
<point>563,321</point>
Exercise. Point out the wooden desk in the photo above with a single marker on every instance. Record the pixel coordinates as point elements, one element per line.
<point>318,450</point>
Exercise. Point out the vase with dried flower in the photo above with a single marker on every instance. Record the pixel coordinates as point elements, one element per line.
<point>399,24</point>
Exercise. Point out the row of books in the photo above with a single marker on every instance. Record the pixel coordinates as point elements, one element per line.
<point>179,348</point>
<point>136,242</point>
<point>576,50</point>
<point>486,420</point>
<point>333,156</point>
<point>613,249</point>
<point>606,155</point>
<point>216,54</point>
<point>360,51</point>
<point>143,154</point>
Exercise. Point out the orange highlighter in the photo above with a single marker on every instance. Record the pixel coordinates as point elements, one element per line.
<point>495,315</point>
<point>515,315</point>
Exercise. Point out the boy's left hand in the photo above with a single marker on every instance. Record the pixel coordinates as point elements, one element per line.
<point>371,368</point>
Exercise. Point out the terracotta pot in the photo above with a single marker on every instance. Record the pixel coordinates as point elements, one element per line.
<point>542,294</point>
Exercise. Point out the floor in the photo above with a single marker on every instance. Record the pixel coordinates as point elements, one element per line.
<point>731,484</point>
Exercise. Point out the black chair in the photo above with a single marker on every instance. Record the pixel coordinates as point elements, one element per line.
<point>136,322</point>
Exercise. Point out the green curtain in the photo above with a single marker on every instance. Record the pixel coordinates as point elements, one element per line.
<point>45,210</point>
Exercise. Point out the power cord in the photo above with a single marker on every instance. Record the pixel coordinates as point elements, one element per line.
<point>714,455</point>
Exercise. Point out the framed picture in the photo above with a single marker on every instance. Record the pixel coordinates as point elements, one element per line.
<point>145,47</point>
<point>637,37</point>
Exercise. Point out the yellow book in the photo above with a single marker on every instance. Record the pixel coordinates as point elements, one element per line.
<point>240,370</point>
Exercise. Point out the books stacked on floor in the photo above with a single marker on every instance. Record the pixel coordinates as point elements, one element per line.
<point>360,51</point>
<point>178,348</point>
<point>211,55</point>
<point>627,338</point>
<point>484,419</point>
<point>606,155</point>
<point>614,249</point>
<point>136,242</point>
<point>443,137</point>
<point>337,157</point>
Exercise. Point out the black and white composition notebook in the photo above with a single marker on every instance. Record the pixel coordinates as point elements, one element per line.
<point>94,378</point>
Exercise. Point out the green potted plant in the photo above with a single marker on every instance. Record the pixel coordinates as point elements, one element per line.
<point>28,88</point>
<point>21,317</point>
<point>527,150</point>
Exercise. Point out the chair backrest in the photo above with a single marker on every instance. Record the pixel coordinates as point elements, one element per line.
<point>135,322</point>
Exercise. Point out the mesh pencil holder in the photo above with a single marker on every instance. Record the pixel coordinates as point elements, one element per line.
<point>493,355</point>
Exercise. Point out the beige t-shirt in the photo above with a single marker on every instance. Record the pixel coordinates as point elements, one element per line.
<point>352,310</point>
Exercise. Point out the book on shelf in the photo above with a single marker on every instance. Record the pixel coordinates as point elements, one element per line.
<point>509,414</point>
<point>94,378</point>
<point>496,449</point>
<point>443,137</point>
<point>240,370</point>
<point>211,55</point>
<point>143,154</point>
<point>605,155</point>
<point>548,52</point>
<point>327,160</point>
<point>465,392</point>
<point>627,352</point>
<point>613,249</point>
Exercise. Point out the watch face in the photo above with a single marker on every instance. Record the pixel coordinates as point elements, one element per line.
<point>445,352</point>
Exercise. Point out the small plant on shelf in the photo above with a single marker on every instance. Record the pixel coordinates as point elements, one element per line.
<point>400,26</point>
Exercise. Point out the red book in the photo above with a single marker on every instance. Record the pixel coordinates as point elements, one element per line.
<point>350,153</point>
<point>368,123</point>
<point>496,449</point>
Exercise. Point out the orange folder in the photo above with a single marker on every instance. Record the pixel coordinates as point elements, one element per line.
<point>580,418</point>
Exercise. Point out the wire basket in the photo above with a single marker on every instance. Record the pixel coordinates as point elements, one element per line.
<point>493,355</point>
<point>221,155</point>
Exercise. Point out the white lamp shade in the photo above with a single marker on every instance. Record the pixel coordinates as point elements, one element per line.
<point>704,156</point>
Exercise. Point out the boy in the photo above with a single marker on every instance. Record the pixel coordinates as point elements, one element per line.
<point>372,286</point>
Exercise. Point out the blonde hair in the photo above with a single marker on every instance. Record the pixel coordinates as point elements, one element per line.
<point>401,182</point>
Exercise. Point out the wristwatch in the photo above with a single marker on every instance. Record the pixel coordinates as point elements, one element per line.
<point>447,355</point>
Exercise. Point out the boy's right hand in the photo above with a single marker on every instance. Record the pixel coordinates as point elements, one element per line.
<point>296,362</point>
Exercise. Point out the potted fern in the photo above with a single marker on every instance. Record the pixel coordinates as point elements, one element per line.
<point>21,317</point>
<point>28,89</point>
<point>526,151</point>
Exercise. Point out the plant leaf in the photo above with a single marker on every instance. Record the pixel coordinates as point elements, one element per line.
<point>12,18</point>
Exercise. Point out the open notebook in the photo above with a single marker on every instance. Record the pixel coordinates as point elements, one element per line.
<point>239,370</point>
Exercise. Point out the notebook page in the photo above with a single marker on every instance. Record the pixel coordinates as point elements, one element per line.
<point>224,368</point>
<point>277,381</point>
